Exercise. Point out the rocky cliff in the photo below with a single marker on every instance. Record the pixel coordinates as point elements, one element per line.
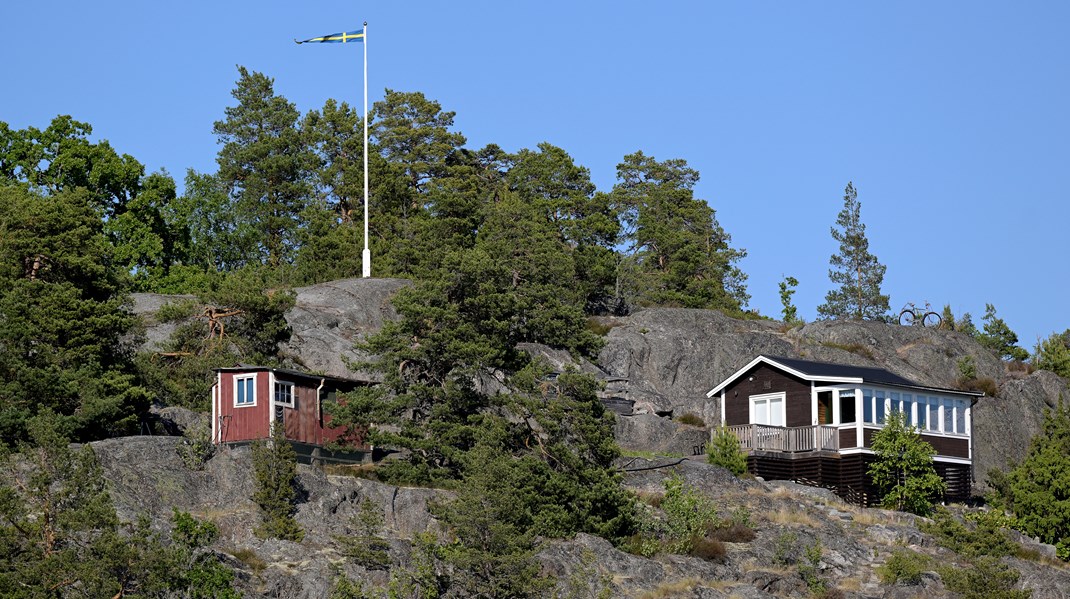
<point>659,361</point>
<point>146,476</point>
<point>665,360</point>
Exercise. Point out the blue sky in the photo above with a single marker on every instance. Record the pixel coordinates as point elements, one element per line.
<point>951,118</point>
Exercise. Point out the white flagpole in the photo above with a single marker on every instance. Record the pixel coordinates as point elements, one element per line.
<point>366,255</point>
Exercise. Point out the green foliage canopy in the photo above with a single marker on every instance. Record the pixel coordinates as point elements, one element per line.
<point>677,253</point>
<point>62,317</point>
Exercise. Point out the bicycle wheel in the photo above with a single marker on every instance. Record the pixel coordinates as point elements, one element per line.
<point>931,319</point>
<point>906,318</point>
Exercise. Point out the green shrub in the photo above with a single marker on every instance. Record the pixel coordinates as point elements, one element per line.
<point>741,516</point>
<point>1062,550</point>
<point>903,567</point>
<point>642,544</point>
<point>196,447</point>
<point>785,549</point>
<point>809,571</point>
<point>903,467</point>
<point>365,546</point>
<point>687,514</point>
<point>967,368</point>
<point>691,419</point>
<point>985,578</point>
<point>1038,489</point>
<point>984,538</point>
<point>723,450</point>
<point>344,588</point>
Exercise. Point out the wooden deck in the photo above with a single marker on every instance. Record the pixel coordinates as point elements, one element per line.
<point>760,437</point>
<point>810,455</point>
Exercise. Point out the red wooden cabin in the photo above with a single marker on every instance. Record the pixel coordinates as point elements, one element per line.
<point>248,400</point>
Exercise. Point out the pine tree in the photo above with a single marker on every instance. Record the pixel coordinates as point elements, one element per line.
<point>62,318</point>
<point>275,469</point>
<point>947,319</point>
<point>677,252</point>
<point>856,271</point>
<point>999,337</point>
<point>1053,354</point>
<point>266,164</point>
<point>724,451</point>
<point>1038,489</point>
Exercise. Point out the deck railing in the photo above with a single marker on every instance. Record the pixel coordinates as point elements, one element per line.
<point>787,439</point>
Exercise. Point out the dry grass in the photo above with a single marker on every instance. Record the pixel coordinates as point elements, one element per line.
<point>672,589</point>
<point>757,491</point>
<point>651,498</point>
<point>864,517</point>
<point>733,533</point>
<point>782,493</point>
<point>851,585</point>
<point>249,558</point>
<point>691,419</point>
<point>853,348</point>
<point>786,515</point>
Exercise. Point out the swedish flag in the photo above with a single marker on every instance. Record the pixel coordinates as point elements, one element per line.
<point>336,38</point>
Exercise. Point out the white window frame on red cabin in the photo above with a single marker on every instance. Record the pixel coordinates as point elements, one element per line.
<point>275,393</point>
<point>238,380</point>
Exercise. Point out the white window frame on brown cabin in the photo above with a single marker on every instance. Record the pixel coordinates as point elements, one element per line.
<point>769,397</point>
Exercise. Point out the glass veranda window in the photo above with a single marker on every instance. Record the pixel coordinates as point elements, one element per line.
<point>847,407</point>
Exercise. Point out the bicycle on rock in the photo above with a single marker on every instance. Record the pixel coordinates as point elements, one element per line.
<point>915,316</point>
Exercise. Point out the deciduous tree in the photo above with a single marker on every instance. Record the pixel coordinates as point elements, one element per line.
<point>903,469</point>
<point>790,313</point>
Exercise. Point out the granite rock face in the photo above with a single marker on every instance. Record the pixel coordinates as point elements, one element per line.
<point>146,476</point>
<point>328,319</point>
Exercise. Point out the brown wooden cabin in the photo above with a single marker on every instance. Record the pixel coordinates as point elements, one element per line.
<point>248,400</point>
<point>813,422</point>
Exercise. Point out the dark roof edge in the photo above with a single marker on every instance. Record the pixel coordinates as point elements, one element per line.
<point>903,382</point>
<point>290,372</point>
